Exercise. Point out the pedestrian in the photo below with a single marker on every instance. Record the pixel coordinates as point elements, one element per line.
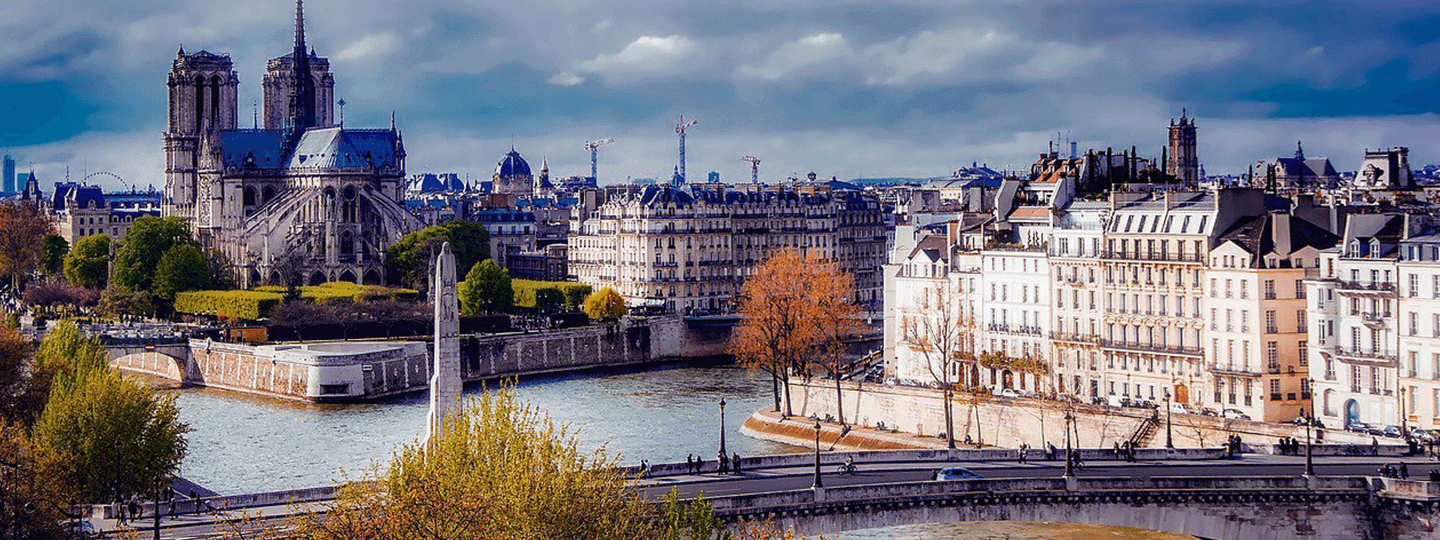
<point>195,498</point>
<point>735,462</point>
<point>120,512</point>
<point>690,463</point>
<point>172,504</point>
<point>644,468</point>
<point>1117,451</point>
<point>1022,454</point>
<point>1404,470</point>
<point>136,511</point>
<point>724,463</point>
<point>1374,447</point>
<point>699,464</point>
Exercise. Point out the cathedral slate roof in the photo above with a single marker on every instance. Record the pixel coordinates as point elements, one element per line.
<point>260,148</point>
<point>340,148</point>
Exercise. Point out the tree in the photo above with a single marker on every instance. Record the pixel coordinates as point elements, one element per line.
<point>15,363</point>
<point>499,469</point>
<point>549,299</point>
<point>29,505</point>
<point>88,264</point>
<point>22,239</point>
<point>407,262</point>
<point>103,437</point>
<point>778,314</point>
<point>836,318</point>
<point>55,249</point>
<point>935,332</point>
<point>486,290</point>
<point>138,254</point>
<point>302,315</point>
<point>182,268</point>
<point>117,302</point>
<point>52,293</point>
<point>604,304</point>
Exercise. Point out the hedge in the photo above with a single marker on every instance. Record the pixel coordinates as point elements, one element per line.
<point>245,305</point>
<point>344,289</point>
<point>573,293</point>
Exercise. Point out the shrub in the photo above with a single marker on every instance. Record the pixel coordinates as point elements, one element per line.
<point>246,305</point>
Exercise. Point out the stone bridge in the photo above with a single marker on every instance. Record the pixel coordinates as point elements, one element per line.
<point>1263,508</point>
<point>169,361</point>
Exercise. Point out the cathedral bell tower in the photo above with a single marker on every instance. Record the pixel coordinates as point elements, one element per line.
<point>203,89</point>
<point>1183,163</point>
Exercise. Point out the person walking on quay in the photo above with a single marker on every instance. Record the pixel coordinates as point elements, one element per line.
<point>196,499</point>
<point>1374,447</point>
<point>1023,451</point>
<point>644,468</point>
<point>1404,470</point>
<point>690,463</point>
<point>1116,451</point>
<point>724,463</point>
<point>735,462</point>
<point>172,504</point>
<point>699,464</point>
<point>120,512</point>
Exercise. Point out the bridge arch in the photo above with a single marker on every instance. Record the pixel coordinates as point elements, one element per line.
<point>165,361</point>
<point>1265,508</point>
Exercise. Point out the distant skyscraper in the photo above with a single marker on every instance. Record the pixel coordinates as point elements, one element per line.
<point>714,177</point>
<point>1183,164</point>
<point>8,176</point>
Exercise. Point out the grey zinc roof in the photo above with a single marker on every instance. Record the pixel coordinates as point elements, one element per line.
<point>262,147</point>
<point>339,148</point>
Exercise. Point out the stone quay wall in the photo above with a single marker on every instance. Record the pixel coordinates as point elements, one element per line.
<point>349,371</point>
<point>1010,422</point>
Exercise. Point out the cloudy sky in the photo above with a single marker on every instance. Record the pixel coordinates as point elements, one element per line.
<point>851,89</point>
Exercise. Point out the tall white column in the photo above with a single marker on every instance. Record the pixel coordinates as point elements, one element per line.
<point>445,383</point>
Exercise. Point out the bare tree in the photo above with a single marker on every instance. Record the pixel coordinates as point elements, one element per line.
<point>937,335</point>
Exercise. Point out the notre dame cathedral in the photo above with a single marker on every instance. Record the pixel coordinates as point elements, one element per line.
<point>301,198</point>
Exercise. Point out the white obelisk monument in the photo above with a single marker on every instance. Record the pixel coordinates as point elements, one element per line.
<point>445,383</point>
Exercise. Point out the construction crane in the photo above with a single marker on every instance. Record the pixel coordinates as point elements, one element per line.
<point>680,129</point>
<point>754,168</point>
<point>593,147</point>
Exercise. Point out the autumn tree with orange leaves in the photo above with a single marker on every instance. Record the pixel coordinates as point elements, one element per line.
<point>794,311</point>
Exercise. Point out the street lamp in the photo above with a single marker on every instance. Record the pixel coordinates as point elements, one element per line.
<point>1069,457</point>
<point>722,428</point>
<point>817,484</point>
<point>1169,443</point>
<point>1309,425</point>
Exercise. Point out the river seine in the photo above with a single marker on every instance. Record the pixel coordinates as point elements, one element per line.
<point>661,413</point>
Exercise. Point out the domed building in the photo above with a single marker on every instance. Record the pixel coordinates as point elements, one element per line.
<point>512,176</point>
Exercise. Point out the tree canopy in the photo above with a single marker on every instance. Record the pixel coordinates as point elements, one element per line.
<point>138,257</point>
<point>408,261</point>
<point>502,469</point>
<point>486,290</point>
<point>786,316</point>
<point>22,239</point>
<point>182,268</point>
<point>604,304</point>
<point>88,263</point>
<point>55,249</point>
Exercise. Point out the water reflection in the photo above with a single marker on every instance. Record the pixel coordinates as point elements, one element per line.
<point>661,413</point>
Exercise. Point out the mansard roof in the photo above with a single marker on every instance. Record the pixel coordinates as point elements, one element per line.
<point>1278,233</point>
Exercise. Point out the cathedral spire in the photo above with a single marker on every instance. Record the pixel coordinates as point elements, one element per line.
<point>302,99</point>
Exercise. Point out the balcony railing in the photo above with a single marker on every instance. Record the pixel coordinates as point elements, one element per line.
<point>1076,338</point>
<point>1152,348</point>
<point>1152,256</point>
<point>1374,355</point>
<point>1363,286</point>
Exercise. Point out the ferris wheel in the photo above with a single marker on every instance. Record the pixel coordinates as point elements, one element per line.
<point>110,174</point>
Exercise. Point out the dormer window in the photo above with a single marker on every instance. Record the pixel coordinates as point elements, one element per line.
<point>1355,248</point>
<point>1374,248</point>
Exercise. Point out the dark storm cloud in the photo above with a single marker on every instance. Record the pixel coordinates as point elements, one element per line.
<point>861,88</point>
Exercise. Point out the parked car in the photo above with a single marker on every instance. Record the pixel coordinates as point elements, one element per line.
<point>955,473</point>
<point>1236,414</point>
<point>1391,431</point>
<point>1207,411</point>
<point>1358,427</point>
<point>1376,430</point>
<point>1006,392</point>
<point>1179,408</point>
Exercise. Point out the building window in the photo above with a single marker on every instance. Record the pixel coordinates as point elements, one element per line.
<point>1300,288</point>
<point>1304,353</point>
<point>1269,289</point>
<point>1271,326</point>
<point>1274,389</point>
<point>1272,356</point>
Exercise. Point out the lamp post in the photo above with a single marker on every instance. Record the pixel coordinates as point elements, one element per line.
<point>817,484</point>
<point>1069,457</point>
<point>722,427</point>
<point>1169,442</point>
<point>1309,425</point>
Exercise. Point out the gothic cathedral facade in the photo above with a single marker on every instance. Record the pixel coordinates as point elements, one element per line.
<point>302,200</point>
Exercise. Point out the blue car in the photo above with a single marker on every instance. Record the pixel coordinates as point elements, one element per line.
<point>955,473</point>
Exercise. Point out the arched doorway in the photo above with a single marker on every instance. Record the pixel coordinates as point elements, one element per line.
<point>1007,379</point>
<point>317,278</point>
<point>347,276</point>
<point>372,277</point>
<point>1352,412</point>
<point>1182,394</point>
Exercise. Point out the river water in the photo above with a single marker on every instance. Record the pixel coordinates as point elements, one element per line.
<point>661,413</point>
<point>244,444</point>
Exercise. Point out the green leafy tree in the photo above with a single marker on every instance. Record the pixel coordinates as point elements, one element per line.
<point>15,359</point>
<point>486,290</point>
<point>88,264</point>
<point>549,299</point>
<point>604,304</point>
<point>116,302</point>
<point>408,260</point>
<point>182,268</point>
<point>55,249</point>
<point>103,437</point>
<point>502,469</point>
<point>139,253</point>
<point>22,239</point>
